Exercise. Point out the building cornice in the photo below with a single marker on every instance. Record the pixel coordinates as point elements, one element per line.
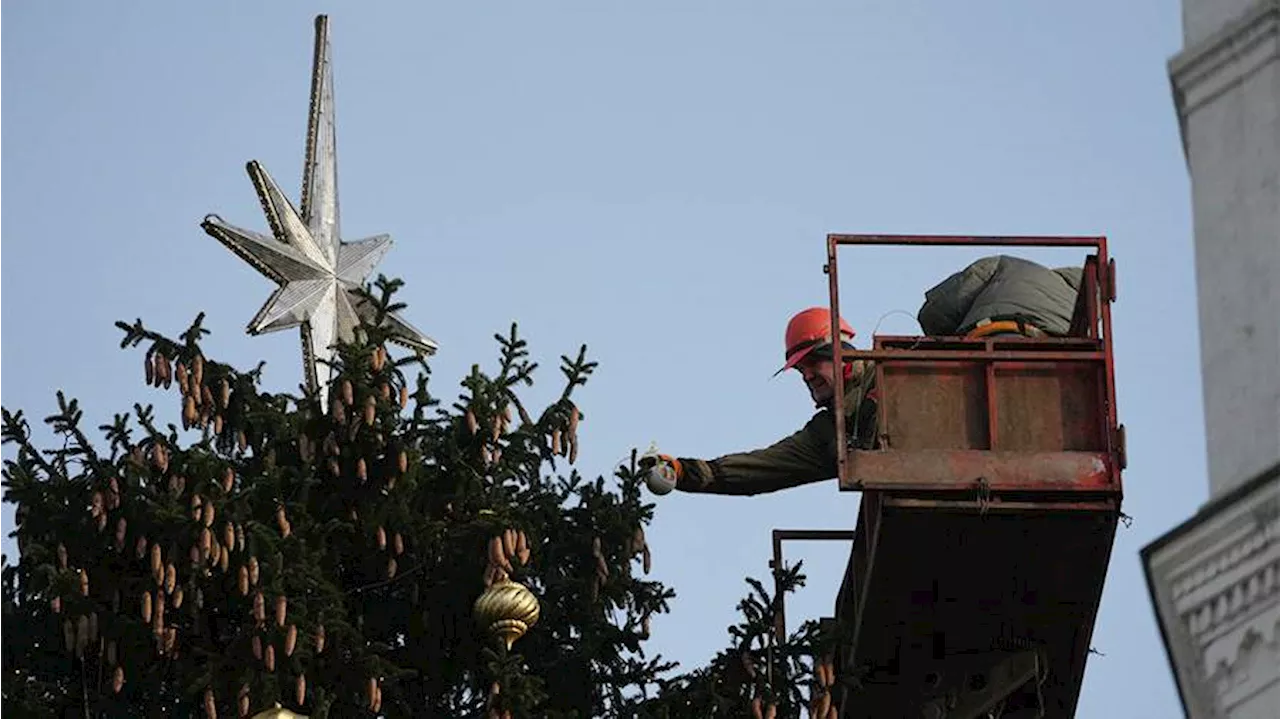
<point>1223,60</point>
<point>1209,509</point>
<point>1215,583</point>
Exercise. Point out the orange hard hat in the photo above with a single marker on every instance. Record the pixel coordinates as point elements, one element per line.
<point>809,330</point>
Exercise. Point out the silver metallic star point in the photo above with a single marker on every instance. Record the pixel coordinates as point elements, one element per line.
<point>320,278</point>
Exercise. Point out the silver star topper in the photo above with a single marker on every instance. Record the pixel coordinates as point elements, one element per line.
<point>318,274</point>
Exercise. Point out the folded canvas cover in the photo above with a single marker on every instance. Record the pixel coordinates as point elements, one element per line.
<point>1002,288</point>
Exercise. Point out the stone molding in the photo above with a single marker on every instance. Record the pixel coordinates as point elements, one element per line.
<point>1202,72</point>
<point>1215,582</point>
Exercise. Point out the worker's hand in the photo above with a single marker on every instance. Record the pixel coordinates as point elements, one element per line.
<point>661,472</point>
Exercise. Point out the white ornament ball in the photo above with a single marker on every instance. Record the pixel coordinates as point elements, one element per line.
<point>661,478</point>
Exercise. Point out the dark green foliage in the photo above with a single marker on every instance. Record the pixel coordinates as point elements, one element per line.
<point>372,518</point>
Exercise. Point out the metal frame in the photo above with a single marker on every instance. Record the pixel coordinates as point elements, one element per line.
<point>1098,292</point>
<point>781,535</point>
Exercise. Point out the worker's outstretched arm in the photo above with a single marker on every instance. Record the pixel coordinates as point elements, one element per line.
<point>806,456</point>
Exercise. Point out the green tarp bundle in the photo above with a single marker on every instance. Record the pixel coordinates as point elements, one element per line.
<point>1002,288</point>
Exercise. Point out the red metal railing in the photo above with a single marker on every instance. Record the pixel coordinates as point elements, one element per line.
<point>1091,343</point>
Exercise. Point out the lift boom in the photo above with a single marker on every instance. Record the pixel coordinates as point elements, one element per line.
<point>988,511</point>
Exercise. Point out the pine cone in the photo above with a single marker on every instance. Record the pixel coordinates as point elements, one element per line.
<point>189,415</point>
<point>160,457</point>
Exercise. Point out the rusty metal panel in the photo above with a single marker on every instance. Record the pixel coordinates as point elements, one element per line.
<point>939,405</point>
<point>1050,407</point>
<point>947,471</point>
<point>1014,415</point>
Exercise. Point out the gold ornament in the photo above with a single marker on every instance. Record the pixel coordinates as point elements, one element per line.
<point>278,712</point>
<point>507,610</point>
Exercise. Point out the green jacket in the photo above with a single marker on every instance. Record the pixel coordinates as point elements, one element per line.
<point>807,456</point>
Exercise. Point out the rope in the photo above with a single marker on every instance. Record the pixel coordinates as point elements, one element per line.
<point>984,496</point>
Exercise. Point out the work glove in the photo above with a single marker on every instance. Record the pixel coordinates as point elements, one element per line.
<point>661,472</point>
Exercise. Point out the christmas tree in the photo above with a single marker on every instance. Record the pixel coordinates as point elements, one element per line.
<point>388,555</point>
<point>358,547</point>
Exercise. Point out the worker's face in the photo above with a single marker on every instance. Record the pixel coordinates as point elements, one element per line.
<point>820,376</point>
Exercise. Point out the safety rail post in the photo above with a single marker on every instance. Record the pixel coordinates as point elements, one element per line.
<point>779,536</point>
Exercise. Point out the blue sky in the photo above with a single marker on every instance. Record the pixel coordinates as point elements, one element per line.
<point>653,179</point>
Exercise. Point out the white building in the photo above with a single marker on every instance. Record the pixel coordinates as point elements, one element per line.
<point>1215,579</point>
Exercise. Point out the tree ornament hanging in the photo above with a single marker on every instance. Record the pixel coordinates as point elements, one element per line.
<point>507,610</point>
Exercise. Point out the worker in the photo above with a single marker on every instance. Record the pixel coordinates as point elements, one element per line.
<point>807,456</point>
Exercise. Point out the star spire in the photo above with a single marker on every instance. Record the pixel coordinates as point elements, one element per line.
<point>318,275</point>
